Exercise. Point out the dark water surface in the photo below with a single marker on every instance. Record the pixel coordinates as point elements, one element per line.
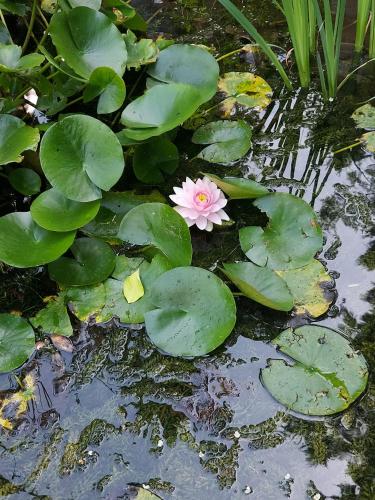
<point>116,412</point>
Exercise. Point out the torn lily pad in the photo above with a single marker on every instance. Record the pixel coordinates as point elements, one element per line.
<point>323,376</point>
<point>144,51</point>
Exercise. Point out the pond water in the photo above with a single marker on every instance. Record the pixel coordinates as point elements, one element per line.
<point>117,413</point>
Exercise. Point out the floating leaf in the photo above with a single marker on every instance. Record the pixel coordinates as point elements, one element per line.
<point>308,285</point>
<point>158,225</point>
<point>80,155</point>
<point>54,318</point>
<point>260,284</point>
<point>93,262</point>
<point>15,137</point>
<point>238,188</point>
<point>140,53</point>
<point>12,62</point>
<point>195,312</point>
<point>187,64</point>
<point>109,86</point>
<point>86,301</point>
<point>133,289</point>
<point>17,342</point>
<point>369,140</point>
<point>327,376</point>
<point>364,116</point>
<point>143,494</point>
<point>53,211</point>
<point>25,244</point>
<point>87,40</point>
<point>246,89</point>
<point>153,159</point>
<point>25,181</point>
<point>291,238</point>
<point>229,140</point>
<point>162,108</point>
<point>114,205</point>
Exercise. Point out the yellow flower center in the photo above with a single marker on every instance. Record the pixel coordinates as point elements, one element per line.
<point>201,197</point>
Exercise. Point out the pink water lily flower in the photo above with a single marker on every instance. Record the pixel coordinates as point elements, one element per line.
<point>200,203</point>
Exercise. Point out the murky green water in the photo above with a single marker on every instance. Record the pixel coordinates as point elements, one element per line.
<point>116,412</point>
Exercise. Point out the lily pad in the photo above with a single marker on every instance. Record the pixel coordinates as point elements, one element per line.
<point>54,318</point>
<point>369,140</point>
<point>17,342</point>
<point>155,158</point>
<point>15,137</point>
<point>109,86</point>
<point>25,181</point>
<point>194,312</point>
<point>364,116</point>
<point>53,211</point>
<point>145,51</point>
<point>160,109</point>
<point>246,89</point>
<point>291,238</point>
<point>187,64</point>
<point>114,205</point>
<point>85,301</point>
<point>93,4</point>
<point>229,140</point>
<point>12,61</point>
<point>260,284</point>
<point>310,286</point>
<point>93,262</point>
<point>87,40</point>
<point>18,8</point>
<point>158,225</point>
<point>237,188</point>
<point>327,376</point>
<point>25,244</point>
<point>133,288</point>
<point>80,155</point>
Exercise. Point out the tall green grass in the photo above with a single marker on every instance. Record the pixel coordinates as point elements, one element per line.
<point>363,11</point>
<point>330,34</point>
<point>371,49</point>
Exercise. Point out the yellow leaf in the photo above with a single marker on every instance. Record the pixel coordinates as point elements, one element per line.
<point>4,422</point>
<point>133,289</point>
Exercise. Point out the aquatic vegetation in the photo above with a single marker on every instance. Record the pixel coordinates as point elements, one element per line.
<point>363,11</point>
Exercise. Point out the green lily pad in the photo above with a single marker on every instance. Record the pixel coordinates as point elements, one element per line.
<point>93,4</point>
<point>228,140</point>
<point>11,60</point>
<point>369,140</point>
<point>145,51</point>
<point>25,181</point>
<point>80,155</point>
<point>155,158</point>
<point>17,342</point>
<point>364,116</point>
<point>291,238</point>
<point>85,301</point>
<point>54,318</point>
<point>18,8</point>
<point>246,89</point>
<point>310,287</point>
<point>15,137</point>
<point>53,211</point>
<point>93,262</point>
<point>25,244</point>
<point>160,109</point>
<point>158,225</point>
<point>194,312</point>
<point>114,205</point>
<point>109,86</point>
<point>87,40</point>
<point>237,188</point>
<point>260,284</point>
<point>327,376</point>
<point>187,64</point>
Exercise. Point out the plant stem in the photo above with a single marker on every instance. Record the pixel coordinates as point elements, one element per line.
<point>30,27</point>
<point>355,144</point>
<point>352,73</point>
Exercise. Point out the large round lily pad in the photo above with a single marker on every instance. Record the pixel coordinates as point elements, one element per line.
<point>194,312</point>
<point>93,262</point>
<point>260,284</point>
<point>25,244</point>
<point>15,137</point>
<point>291,238</point>
<point>324,376</point>
<point>87,39</point>
<point>53,211</point>
<point>80,155</point>
<point>158,225</point>
<point>17,342</point>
